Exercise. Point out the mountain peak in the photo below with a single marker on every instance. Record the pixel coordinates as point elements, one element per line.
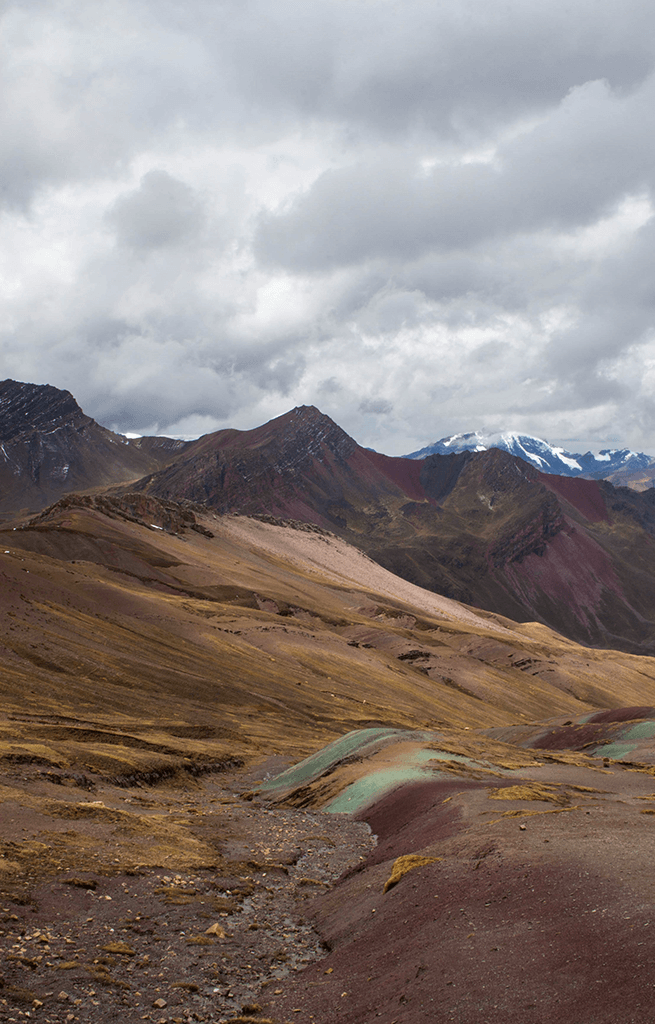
<point>302,433</point>
<point>25,408</point>
<point>545,457</point>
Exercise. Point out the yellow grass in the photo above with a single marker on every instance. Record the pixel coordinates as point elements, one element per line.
<point>403,865</point>
<point>529,791</point>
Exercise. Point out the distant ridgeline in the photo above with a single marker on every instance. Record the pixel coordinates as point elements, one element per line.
<point>545,457</point>
<point>519,532</point>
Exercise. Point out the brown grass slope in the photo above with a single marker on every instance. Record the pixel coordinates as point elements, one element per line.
<point>262,637</point>
<point>636,479</point>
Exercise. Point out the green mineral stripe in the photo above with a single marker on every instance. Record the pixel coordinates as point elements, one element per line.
<point>614,750</point>
<point>640,731</point>
<point>359,742</point>
<point>370,788</point>
<point>377,784</point>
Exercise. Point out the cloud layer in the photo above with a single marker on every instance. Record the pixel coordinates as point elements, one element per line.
<point>422,218</point>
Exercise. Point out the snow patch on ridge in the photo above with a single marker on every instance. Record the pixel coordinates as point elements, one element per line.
<point>567,460</point>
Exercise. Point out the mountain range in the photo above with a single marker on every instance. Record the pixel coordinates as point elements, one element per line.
<point>206,653</point>
<point>620,465</point>
<point>482,527</point>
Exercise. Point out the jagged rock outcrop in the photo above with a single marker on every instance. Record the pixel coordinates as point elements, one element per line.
<point>144,510</point>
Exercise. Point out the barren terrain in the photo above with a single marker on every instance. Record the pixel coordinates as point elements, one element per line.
<point>160,664</point>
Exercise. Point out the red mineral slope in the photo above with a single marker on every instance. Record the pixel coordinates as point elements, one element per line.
<point>585,495</point>
<point>517,900</point>
<point>404,473</point>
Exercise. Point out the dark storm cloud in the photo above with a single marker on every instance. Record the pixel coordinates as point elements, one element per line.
<point>376,406</point>
<point>447,68</point>
<point>88,88</point>
<point>422,217</point>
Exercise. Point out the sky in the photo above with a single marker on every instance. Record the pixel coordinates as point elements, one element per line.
<point>423,218</point>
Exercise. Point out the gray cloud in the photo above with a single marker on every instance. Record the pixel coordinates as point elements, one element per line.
<point>421,217</point>
<point>562,174</point>
<point>376,406</point>
<point>161,212</point>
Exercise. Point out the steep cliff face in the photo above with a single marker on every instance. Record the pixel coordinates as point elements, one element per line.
<point>30,408</point>
<point>49,447</point>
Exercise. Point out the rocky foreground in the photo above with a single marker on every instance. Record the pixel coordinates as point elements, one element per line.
<point>162,944</point>
<point>504,896</point>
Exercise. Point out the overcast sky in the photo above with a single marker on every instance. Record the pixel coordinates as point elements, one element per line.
<point>423,217</point>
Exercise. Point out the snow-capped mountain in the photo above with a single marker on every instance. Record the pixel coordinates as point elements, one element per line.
<point>543,456</point>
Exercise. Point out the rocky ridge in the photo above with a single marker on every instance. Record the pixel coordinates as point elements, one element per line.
<point>49,447</point>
